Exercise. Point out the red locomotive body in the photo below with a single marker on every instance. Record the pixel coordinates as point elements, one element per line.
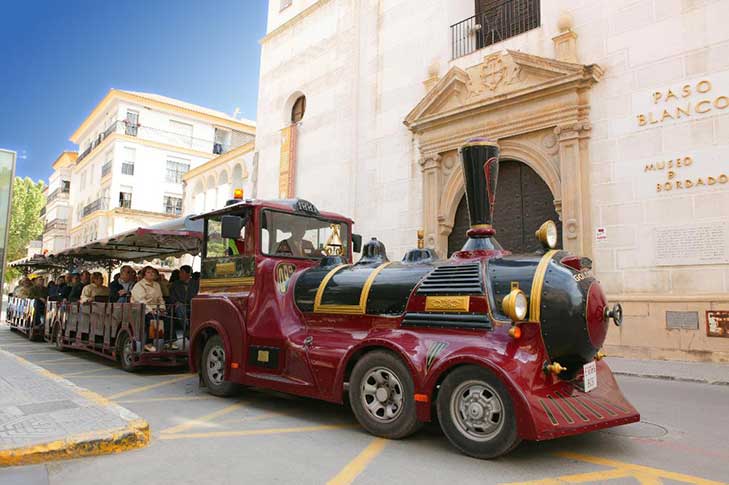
<point>501,347</point>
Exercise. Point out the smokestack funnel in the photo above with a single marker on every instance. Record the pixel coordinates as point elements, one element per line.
<point>480,158</point>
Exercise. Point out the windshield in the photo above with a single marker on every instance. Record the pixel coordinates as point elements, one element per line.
<point>291,235</point>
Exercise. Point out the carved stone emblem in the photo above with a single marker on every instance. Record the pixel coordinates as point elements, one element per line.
<point>493,71</point>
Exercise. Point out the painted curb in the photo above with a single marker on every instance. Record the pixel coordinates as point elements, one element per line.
<point>671,378</point>
<point>134,435</point>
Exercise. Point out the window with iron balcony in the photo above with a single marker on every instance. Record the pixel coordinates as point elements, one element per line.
<point>494,22</point>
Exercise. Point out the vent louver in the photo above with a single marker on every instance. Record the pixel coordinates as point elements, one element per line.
<point>462,279</point>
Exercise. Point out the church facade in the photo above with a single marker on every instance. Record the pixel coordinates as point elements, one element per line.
<point>612,119</point>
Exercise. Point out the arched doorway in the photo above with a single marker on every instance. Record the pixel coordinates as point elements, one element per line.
<point>523,203</point>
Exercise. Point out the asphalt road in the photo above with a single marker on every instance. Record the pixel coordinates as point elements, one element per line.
<point>262,437</point>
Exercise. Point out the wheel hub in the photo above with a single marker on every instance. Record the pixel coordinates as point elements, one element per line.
<point>382,394</point>
<point>477,410</point>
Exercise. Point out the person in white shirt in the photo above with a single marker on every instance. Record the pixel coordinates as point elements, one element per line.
<point>148,291</point>
<point>94,289</point>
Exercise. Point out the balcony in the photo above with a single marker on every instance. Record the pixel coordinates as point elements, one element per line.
<point>61,192</point>
<point>97,205</point>
<point>43,210</point>
<point>56,225</point>
<point>106,169</point>
<point>497,23</point>
<point>97,141</point>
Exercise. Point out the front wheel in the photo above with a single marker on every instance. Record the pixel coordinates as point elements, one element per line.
<point>476,413</point>
<point>212,368</point>
<point>126,352</point>
<point>381,393</point>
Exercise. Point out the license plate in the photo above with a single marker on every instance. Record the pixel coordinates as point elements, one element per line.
<point>589,371</point>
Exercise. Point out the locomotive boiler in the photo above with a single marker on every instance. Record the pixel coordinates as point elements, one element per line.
<point>501,347</point>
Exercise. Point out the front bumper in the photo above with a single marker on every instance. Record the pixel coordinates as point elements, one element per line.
<point>563,409</point>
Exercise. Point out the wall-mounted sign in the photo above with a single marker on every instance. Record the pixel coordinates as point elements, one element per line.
<point>702,169</point>
<point>600,234</point>
<point>682,101</point>
<point>701,243</point>
<point>717,323</point>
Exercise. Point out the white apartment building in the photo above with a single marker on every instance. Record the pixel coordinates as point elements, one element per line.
<point>134,149</point>
<point>58,209</point>
<point>612,118</point>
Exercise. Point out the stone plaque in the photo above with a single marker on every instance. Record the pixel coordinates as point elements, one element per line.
<point>704,243</point>
<point>717,323</point>
<point>682,320</point>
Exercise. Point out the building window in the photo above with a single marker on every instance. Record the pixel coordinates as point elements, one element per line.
<point>222,141</point>
<point>173,205</point>
<point>130,154</point>
<point>66,186</point>
<point>297,112</point>
<point>131,123</point>
<point>285,4</point>
<point>175,171</point>
<point>82,185</point>
<point>106,168</point>
<point>125,197</point>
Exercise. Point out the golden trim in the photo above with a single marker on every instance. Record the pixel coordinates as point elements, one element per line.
<point>225,282</point>
<point>225,268</point>
<point>454,304</point>
<point>482,226</point>
<point>480,144</point>
<point>359,309</point>
<point>535,296</point>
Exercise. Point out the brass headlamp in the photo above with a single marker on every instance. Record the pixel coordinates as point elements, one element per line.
<point>515,305</point>
<point>547,234</point>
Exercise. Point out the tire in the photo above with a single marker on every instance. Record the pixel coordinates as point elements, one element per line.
<point>58,338</point>
<point>476,413</point>
<point>212,368</point>
<point>124,351</point>
<point>382,396</point>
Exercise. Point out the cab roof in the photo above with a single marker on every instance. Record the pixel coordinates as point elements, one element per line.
<point>295,206</point>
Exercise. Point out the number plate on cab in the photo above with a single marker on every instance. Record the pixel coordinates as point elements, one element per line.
<point>589,377</point>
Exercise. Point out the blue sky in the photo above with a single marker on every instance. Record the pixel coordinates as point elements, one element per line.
<point>59,58</point>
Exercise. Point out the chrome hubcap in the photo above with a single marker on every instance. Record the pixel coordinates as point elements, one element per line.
<point>477,410</point>
<point>382,394</point>
<point>216,365</point>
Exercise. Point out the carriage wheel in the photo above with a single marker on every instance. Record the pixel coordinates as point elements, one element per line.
<point>58,338</point>
<point>125,350</point>
<point>381,393</point>
<point>476,413</point>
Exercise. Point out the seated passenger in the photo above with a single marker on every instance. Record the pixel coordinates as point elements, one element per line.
<point>78,286</point>
<point>181,294</point>
<point>38,291</point>
<point>296,245</point>
<point>95,289</point>
<point>147,291</point>
<point>120,290</point>
<point>23,288</point>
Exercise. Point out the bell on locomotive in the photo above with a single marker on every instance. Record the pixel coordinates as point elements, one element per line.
<point>552,287</point>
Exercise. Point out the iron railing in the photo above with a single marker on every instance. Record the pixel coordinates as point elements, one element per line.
<point>59,192</point>
<point>97,205</point>
<point>493,25</point>
<point>59,224</point>
<point>106,169</point>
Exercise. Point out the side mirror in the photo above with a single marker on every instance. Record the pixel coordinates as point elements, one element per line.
<point>357,243</point>
<point>230,226</point>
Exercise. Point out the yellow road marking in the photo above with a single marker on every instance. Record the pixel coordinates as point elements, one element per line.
<point>360,462</point>
<point>203,419</point>
<point>247,419</point>
<point>60,359</point>
<point>137,390</point>
<point>644,474</point>
<point>162,399</point>
<point>84,372</point>
<point>252,432</point>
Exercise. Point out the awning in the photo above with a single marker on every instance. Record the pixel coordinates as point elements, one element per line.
<point>168,239</point>
<point>36,263</point>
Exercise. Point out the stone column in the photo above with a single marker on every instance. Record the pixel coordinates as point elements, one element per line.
<point>430,166</point>
<point>575,174</point>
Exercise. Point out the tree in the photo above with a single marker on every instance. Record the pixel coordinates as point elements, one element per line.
<point>26,223</point>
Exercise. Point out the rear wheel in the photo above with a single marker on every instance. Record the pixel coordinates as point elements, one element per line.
<point>381,393</point>
<point>476,413</point>
<point>212,368</point>
<point>125,350</point>
<point>58,338</point>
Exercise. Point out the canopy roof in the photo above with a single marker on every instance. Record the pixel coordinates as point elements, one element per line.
<point>36,263</point>
<point>172,238</point>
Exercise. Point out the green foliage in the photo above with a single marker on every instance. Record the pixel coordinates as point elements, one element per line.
<point>26,223</point>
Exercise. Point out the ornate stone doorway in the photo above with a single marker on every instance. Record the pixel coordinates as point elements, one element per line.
<point>537,109</point>
<point>523,202</point>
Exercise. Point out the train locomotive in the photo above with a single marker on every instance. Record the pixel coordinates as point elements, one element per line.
<point>499,347</point>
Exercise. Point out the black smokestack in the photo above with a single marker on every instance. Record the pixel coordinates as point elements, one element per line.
<point>480,158</point>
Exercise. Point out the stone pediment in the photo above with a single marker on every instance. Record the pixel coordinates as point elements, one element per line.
<point>499,77</point>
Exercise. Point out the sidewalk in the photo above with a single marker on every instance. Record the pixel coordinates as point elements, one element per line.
<point>709,373</point>
<point>44,417</point>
